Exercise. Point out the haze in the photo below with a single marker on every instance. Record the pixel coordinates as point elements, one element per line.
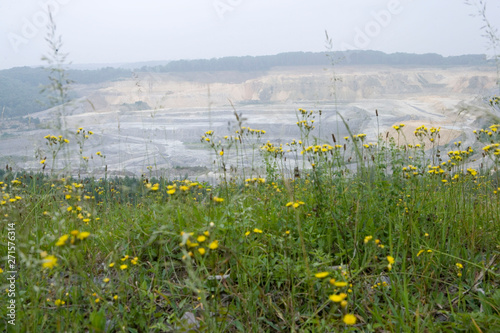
<point>130,31</point>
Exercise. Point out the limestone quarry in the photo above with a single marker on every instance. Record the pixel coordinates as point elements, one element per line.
<point>156,120</point>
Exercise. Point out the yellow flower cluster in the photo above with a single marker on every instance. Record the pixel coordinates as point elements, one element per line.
<point>54,140</point>
<point>271,148</point>
<point>252,131</point>
<point>199,243</point>
<point>339,297</point>
<point>295,204</point>
<point>73,236</point>
<point>255,180</point>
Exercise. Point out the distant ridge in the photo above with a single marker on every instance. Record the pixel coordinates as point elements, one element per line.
<point>20,86</point>
<point>350,58</point>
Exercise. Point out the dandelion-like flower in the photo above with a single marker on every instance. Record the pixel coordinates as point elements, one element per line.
<point>322,275</point>
<point>349,319</point>
<point>49,262</point>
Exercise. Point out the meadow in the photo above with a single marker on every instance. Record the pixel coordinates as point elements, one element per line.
<point>304,236</point>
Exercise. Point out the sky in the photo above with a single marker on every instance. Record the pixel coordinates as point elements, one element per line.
<point>122,31</point>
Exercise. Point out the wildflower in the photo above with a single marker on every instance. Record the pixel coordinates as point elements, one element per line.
<point>217,199</point>
<point>367,239</point>
<point>247,233</point>
<point>214,245</point>
<point>97,300</point>
<point>349,319</point>
<point>106,280</point>
<point>459,265</point>
<point>74,233</point>
<point>112,264</point>
<point>124,258</point>
<point>83,235</point>
<point>172,191</point>
<point>321,275</point>
<point>337,298</point>
<point>115,297</point>
<point>340,284</point>
<point>62,240</point>
<point>420,252</point>
<point>122,267</point>
<point>134,261</point>
<point>201,239</point>
<point>391,262</point>
<point>289,204</point>
<point>50,262</point>
<point>258,231</point>
<point>221,153</point>
<point>58,302</point>
<point>42,161</point>
<point>1,271</point>
<point>201,250</point>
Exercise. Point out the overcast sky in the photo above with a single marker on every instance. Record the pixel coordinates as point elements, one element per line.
<point>119,31</point>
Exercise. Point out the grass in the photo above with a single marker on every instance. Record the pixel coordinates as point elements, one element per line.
<point>353,236</point>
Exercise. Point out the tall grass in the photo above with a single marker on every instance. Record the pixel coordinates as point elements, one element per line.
<point>355,236</point>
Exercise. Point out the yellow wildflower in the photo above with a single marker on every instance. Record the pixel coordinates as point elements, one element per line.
<point>349,319</point>
<point>49,262</point>
<point>322,275</point>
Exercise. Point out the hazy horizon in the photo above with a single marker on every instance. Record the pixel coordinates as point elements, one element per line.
<point>128,32</point>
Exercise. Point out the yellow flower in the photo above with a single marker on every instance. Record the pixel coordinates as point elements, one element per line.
<point>214,245</point>
<point>201,239</point>
<point>338,298</point>
<point>221,153</point>
<point>1,271</point>
<point>420,252</point>
<point>367,239</point>
<point>349,319</point>
<point>390,260</point>
<point>289,204</point>
<point>115,297</point>
<point>459,265</point>
<point>172,191</point>
<point>247,233</point>
<point>124,258</point>
<point>258,231</point>
<point>97,300</point>
<point>49,262</point>
<point>83,235</point>
<point>217,199</point>
<point>58,302</point>
<point>340,284</point>
<point>122,267</point>
<point>106,280</point>
<point>62,240</point>
<point>201,250</point>
<point>74,233</point>
<point>112,264</point>
<point>322,275</point>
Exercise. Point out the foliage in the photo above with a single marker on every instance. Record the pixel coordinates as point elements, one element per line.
<point>365,237</point>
